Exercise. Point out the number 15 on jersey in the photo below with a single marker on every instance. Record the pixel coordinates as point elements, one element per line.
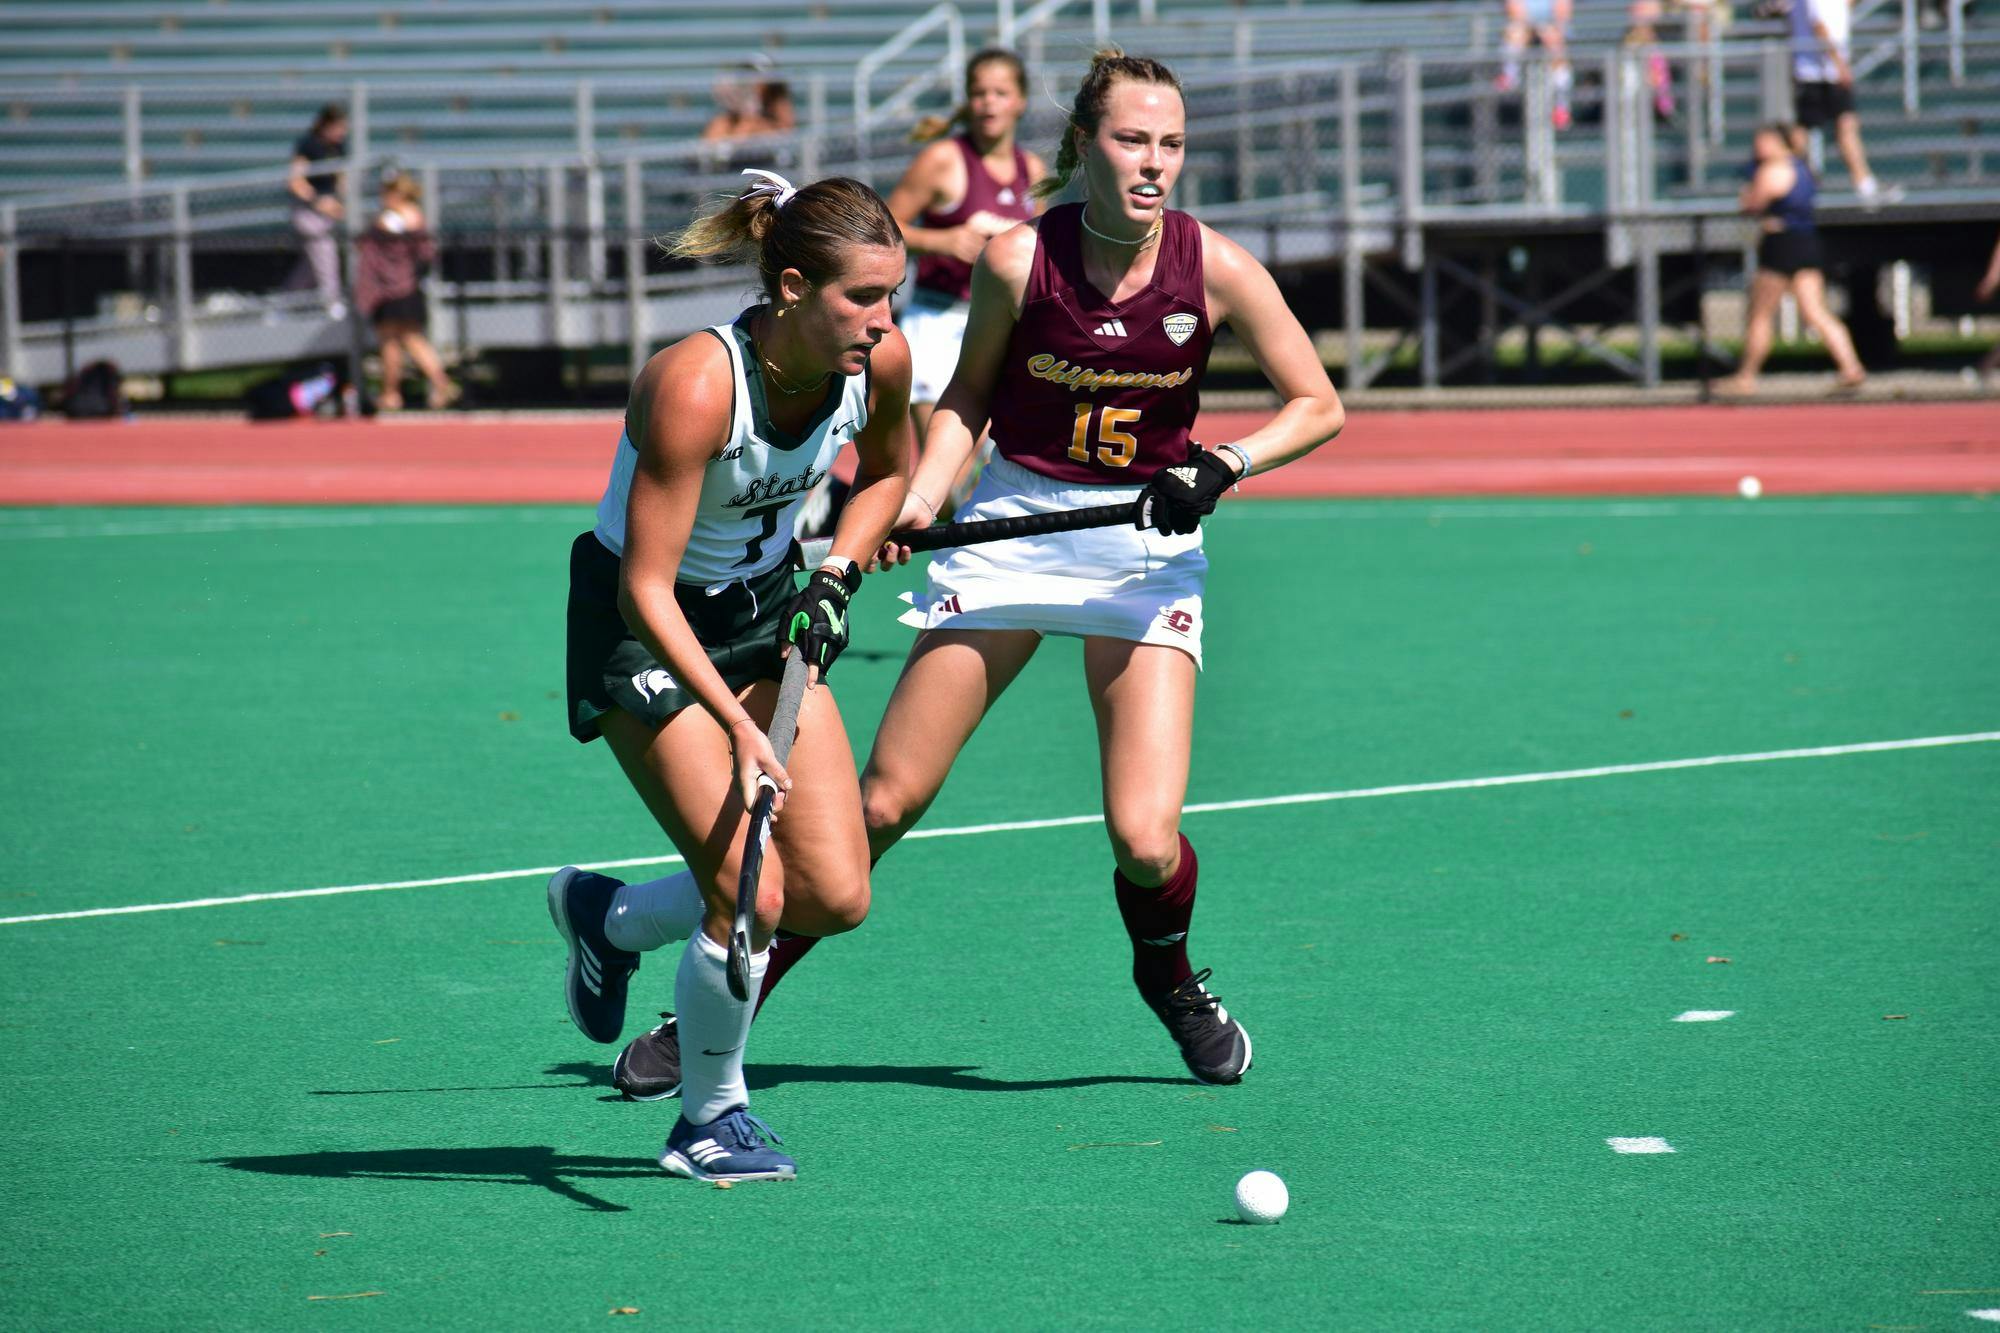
<point>1115,447</point>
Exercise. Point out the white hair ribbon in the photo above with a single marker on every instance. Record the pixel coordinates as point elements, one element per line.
<point>772,185</point>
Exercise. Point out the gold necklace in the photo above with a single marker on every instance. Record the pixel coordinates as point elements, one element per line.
<point>784,385</point>
<point>1152,233</point>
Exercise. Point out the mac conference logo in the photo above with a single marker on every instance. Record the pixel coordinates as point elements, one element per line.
<point>1179,327</point>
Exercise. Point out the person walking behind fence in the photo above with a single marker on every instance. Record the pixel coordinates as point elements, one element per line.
<point>1780,195</point>
<point>1547,20</point>
<point>1823,87</point>
<point>388,286</point>
<point>316,207</point>
<point>1989,284</point>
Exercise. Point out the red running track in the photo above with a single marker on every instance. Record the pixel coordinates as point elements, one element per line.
<point>1813,449</point>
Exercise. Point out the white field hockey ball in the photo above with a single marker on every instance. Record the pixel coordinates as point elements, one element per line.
<point>1261,1197</point>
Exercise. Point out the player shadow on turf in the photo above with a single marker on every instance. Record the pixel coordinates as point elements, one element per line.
<point>955,1078</point>
<point>542,1167</point>
<point>592,1075</point>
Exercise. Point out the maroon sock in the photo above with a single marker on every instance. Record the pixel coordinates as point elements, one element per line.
<point>785,951</point>
<point>1157,920</point>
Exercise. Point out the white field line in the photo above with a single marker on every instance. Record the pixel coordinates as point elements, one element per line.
<point>43,524</point>
<point>197,524</point>
<point>1069,821</point>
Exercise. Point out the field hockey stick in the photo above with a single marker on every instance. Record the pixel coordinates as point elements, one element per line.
<point>987,530</point>
<point>784,729</point>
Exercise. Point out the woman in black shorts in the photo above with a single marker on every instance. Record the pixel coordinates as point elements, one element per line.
<point>388,285</point>
<point>1780,195</point>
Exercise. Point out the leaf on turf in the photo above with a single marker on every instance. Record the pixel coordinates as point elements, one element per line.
<point>1625,713</point>
<point>625,1309</point>
<point>1141,1143</point>
<point>1893,1017</point>
<point>1677,937</point>
<point>1718,958</point>
<point>510,716</point>
<point>347,1296</point>
<point>319,1254</point>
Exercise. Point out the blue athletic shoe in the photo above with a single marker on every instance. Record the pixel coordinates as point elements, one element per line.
<point>730,1147</point>
<point>595,979</point>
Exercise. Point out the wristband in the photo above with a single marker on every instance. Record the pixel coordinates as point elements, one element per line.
<point>1242,456</point>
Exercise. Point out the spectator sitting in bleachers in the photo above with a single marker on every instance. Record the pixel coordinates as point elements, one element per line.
<point>316,207</point>
<point>1547,20</point>
<point>751,102</point>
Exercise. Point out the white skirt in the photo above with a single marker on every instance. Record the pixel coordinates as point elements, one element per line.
<point>934,334</point>
<point>1113,583</point>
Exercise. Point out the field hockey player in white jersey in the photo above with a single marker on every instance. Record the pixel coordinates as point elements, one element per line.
<point>683,604</point>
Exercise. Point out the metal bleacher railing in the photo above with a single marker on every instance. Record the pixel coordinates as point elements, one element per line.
<point>1310,140</point>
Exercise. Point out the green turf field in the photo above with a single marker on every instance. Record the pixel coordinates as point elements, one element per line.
<point>217,1115</point>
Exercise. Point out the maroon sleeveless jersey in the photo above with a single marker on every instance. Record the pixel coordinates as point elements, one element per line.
<point>952,278</point>
<point>1099,391</point>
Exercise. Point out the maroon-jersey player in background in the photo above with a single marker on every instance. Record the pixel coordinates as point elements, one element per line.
<point>1088,334</point>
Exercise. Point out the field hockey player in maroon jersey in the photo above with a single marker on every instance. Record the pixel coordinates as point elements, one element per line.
<point>959,191</point>
<point>1088,335</point>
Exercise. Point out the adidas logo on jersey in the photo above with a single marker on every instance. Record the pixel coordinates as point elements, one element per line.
<point>1113,328</point>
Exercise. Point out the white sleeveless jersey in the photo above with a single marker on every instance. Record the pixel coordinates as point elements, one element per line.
<point>752,490</point>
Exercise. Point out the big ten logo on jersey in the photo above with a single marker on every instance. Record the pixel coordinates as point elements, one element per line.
<point>1178,619</point>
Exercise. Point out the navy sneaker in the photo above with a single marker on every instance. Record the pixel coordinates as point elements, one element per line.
<point>649,1068</point>
<point>1215,1046</point>
<point>730,1147</point>
<point>594,981</point>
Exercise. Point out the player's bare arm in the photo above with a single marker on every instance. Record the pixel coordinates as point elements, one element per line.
<point>933,182</point>
<point>1242,294</point>
<point>886,448</point>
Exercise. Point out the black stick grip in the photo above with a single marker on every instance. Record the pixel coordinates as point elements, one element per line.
<point>1024,525</point>
<point>784,730</point>
<point>938,538</point>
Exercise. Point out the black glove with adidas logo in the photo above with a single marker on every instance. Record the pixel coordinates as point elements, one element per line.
<point>1177,498</point>
<point>816,621</point>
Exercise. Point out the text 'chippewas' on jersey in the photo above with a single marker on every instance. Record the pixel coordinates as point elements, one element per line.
<point>1099,391</point>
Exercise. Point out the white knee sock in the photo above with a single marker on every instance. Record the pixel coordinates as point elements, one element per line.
<point>660,911</point>
<point>714,1025</point>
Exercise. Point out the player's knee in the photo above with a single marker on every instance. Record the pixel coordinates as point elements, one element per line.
<point>888,813</point>
<point>828,909</point>
<point>770,906</point>
<point>844,911</point>
<point>1148,852</point>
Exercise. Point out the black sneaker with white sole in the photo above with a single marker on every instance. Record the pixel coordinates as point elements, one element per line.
<point>649,1068</point>
<point>1215,1046</point>
<point>598,971</point>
